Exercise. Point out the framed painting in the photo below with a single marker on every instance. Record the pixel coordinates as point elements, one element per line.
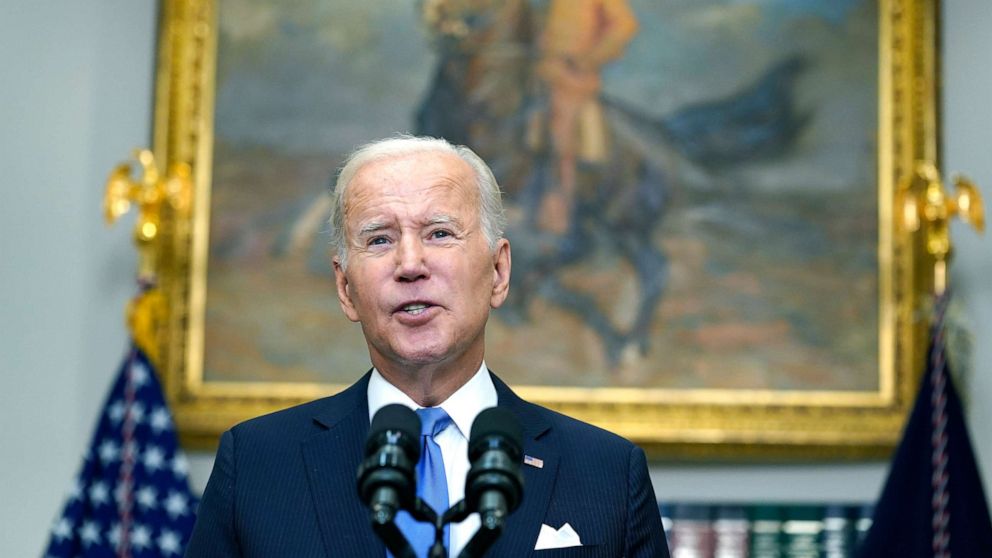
<point>699,194</point>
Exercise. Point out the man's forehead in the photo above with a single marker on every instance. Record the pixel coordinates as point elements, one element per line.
<point>427,159</point>
<point>412,178</point>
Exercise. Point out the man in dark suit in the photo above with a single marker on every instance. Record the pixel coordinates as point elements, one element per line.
<point>421,259</point>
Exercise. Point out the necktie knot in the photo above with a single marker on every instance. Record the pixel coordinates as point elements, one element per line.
<point>433,420</point>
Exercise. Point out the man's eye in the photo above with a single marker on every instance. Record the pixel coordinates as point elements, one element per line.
<point>440,233</point>
<point>378,241</point>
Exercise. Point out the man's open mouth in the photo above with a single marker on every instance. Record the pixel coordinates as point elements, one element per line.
<point>415,308</point>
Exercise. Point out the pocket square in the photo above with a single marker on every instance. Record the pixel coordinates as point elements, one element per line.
<point>564,537</point>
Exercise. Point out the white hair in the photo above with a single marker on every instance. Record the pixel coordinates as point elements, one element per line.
<point>492,219</point>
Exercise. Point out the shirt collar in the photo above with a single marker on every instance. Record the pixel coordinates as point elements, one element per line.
<point>463,406</point>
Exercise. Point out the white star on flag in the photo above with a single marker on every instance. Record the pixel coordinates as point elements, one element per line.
<point>130,450</point>
<point>141,537</point>
<point>76,492</point>
<point>180,466</point>
<point>109,452</point>
<point>120,493</point>
<point>116,411</point>
<point>168,542</point>
<point>139,375</point>
<point>146,497</point>
<point>62,529</point>
<point>90,533</point>
<point>99,493</point>
<point>160,419</point>
<point>114,535</point>
<point>154,458</point>
<point>175,504</point>
<point>137,412</point>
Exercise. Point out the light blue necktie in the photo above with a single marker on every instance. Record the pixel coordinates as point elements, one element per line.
<point>432,485</point>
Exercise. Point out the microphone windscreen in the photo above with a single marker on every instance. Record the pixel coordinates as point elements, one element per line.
<point>495,422</point>
<point>396,418</point>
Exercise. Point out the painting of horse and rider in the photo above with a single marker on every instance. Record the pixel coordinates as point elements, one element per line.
<point>690,184</point>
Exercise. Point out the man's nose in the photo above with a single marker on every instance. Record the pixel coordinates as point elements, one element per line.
<point>411,259</point>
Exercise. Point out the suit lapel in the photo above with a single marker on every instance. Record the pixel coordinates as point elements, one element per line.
<point>332,457</point>
<point>523,525</point>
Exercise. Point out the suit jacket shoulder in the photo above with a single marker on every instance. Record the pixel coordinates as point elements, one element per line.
<point>298,422</point>
<point>583,475</point>
<point>283,485</point>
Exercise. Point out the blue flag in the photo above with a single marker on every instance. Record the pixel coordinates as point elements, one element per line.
<point>933,504</point>
<point>132,496</point>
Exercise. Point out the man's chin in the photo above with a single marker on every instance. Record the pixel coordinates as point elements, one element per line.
<point>427,351</point>
<point>421,357</point>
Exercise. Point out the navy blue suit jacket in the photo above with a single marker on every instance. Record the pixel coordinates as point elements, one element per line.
<point>283,485</point>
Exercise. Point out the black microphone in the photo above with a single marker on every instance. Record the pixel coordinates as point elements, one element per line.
<point>494,485</point>
<point>387,478</point>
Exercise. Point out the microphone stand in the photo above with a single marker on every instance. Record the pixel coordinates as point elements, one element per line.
<point>393,539</point>
<point>489,530</point>
<point>384,525</point>
<point>423,512</point>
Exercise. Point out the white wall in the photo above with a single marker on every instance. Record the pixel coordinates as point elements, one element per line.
<point>967,119</point>
<point>77,99</point>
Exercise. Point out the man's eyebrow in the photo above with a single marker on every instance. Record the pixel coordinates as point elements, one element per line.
<point>372,227</point>
<point>443,219</point>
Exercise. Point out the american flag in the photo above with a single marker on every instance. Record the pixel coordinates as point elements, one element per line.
<point>933,503</point>
<point>131,498</point>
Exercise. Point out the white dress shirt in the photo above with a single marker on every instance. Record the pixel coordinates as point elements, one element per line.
<point>463,406</point>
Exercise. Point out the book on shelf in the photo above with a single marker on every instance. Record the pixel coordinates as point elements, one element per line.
<point>764,530</point>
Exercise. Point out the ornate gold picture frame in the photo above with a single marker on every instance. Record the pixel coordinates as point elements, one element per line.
<point>672,418</point>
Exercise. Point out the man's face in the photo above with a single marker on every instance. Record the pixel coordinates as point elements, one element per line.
<point>421,277</point>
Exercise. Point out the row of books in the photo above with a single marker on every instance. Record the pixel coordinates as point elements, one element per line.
<point>735,530</point>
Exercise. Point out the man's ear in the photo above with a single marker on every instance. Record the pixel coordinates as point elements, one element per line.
<point>501,273</point>
<point>344,291</point>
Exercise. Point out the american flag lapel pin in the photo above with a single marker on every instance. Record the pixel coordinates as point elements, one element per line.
<point>533,462</point>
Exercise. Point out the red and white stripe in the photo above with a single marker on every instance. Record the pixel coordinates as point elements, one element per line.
<point>128,451</point>
<point>938,440</point>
